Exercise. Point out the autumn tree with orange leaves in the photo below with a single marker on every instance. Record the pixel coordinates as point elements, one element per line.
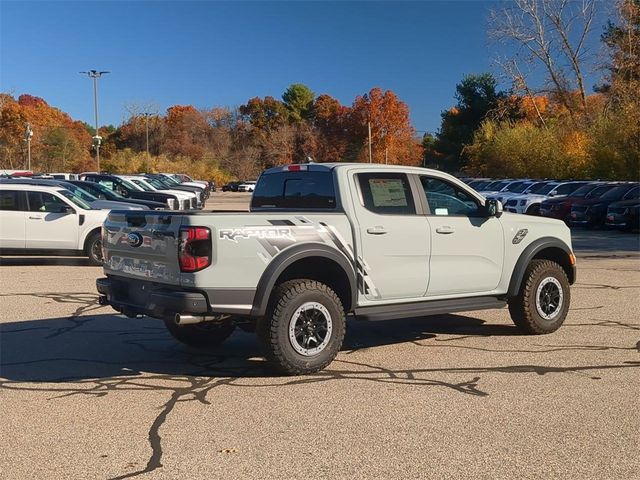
<point>391,131</point>
<point>58,142</point>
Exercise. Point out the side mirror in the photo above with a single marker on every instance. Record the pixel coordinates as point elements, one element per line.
<point>493,208</point>
<point>553,193</point>
<point>66,210</point>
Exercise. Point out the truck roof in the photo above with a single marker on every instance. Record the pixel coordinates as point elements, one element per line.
<point>315,167</point>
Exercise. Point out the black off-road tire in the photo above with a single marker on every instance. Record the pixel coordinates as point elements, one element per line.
<point>524,309</point>
<point>273,329</point>
<point>201,335</point>
<point>93,248</point>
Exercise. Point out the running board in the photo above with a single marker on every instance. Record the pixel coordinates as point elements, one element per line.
<point>426,308</point>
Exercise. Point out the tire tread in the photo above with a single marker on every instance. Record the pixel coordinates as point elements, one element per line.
<point>268,327</point>
<point>520,307</point>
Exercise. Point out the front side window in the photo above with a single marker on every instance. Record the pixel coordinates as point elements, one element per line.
<point>387,193</point>
<point>445,199</point>
<point>46,202</point>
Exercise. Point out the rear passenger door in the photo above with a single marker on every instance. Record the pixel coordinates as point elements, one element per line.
<point>394,241</point>
<point>12,218</point>
<point>467,246</point>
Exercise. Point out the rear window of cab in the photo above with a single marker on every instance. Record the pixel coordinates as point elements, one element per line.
<point>302,190</point>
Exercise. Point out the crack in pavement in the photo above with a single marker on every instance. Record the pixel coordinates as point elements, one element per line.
<point>199,386</point>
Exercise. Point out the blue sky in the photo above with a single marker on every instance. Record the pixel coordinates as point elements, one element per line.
<point>219,53</point>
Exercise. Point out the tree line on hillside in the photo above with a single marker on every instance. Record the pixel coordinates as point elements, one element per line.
<point>220,141</point>
<point>556,128</point>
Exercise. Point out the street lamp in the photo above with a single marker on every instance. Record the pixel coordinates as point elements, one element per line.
<point>146,127</point>
<point>28,134</point>
<point>97,139</point>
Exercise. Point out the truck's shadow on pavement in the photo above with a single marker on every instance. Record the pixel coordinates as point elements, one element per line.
<point>99,346</point>
<point>75,348</point>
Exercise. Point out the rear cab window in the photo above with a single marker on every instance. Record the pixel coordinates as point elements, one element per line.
<point>298,190</point>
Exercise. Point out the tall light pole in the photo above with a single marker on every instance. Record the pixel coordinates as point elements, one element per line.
<point>370,156</point>
<point>97,139</point>
<point>146,127</point>
<point>27,138</point>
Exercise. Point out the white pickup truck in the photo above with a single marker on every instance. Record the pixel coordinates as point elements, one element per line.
<point>325,240</point>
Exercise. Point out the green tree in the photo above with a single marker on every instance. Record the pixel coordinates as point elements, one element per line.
<point>477,95</point>
<point>62,150</point>
<point>298,99</point>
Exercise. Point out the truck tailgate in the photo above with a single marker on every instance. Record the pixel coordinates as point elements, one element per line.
<point>142,245</point>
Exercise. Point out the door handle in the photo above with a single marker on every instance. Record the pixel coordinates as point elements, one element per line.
<point>445,229</point>
<point>35,218</point>
<point>377,230</point>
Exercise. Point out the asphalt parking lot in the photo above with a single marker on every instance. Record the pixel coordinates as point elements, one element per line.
<point>89,394</point>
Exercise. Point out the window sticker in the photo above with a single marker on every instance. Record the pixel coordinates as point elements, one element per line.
<point>387,192</point>
<point>442,211</point>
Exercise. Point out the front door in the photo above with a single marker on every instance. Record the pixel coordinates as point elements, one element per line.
<point>49,225</point>
<point>467,246</point>
<point>393,253</point>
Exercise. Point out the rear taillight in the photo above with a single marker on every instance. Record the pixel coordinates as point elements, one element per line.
<point>194,251</point>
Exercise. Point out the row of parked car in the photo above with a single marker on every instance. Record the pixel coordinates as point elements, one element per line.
<point>153,191</point>
<point>63,213</point>
<point>579,203</point>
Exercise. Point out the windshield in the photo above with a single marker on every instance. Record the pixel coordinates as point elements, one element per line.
<point>492,185</point>
<point>614,193</point>
<point>518,187</point>
<point>83,194</point>
<point>547,188</point>
<point>599,191</point>
<point>142,185</point>
<point>155,182</point>
<point>479,184</point>
<point>76,199</point>
<point>129,185</point>
<point>536,187</point>
<point>109,194</point>
<point>583,190</point>
<point>502,184</point>
<point>170,181</point>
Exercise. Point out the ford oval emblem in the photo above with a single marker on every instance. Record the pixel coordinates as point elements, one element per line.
<point>135,239</point>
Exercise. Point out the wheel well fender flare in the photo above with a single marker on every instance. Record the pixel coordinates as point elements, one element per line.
<point>529,253</point>
<point>88,235</point>
<point>292,255</point>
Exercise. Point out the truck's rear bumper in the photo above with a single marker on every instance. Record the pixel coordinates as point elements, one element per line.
<point>134,298</point>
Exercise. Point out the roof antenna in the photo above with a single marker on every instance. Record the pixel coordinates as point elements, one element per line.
<point>310,159</point>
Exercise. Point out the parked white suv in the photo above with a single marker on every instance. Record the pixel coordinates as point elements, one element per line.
<point>48,220</point>
<point>248,186</point>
